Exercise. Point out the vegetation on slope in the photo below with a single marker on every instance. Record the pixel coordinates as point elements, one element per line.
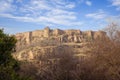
<point>61,64</point>
<point>8,65</point>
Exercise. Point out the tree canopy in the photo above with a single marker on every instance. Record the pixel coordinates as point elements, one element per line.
<point>8,65</point>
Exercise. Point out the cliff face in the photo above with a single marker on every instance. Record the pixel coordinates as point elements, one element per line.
<point>63,36</point>
<point>28,45</point>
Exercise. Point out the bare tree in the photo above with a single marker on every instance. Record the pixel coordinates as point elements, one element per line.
<point>105,61</point>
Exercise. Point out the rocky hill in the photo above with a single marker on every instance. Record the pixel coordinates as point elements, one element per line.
<point>34,43</point>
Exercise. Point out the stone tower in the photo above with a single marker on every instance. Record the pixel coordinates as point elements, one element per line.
<point>46,32</point>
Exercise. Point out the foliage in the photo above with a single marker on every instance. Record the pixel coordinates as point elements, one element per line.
<point>8,65</point>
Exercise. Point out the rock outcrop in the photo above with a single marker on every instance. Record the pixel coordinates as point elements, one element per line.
<point>28,42</point>
<point>58,35</point>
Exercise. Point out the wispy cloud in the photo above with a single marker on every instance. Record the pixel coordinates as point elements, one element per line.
<point>6,5</point>
<point>100,14</point>
<point>41,11</point>
<point>72,5</point>
<point>116,3</point>
<point>89,3</point>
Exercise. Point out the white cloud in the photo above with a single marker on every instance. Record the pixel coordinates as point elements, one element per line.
<point>70,6</point>
<point>97,15</point>
<point>88,3</point>
<point>26,19</point>
<point>61,20</point>
<point>19,1</point>
<point>44,12</point>
<point>116,3</point>
<point>6,5</point>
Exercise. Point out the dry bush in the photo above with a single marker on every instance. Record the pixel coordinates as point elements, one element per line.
<point>105,61</point>
<point>28,69</point>
<point>60,64</point>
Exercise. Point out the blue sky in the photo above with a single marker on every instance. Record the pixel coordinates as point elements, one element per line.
<point>26,15</point>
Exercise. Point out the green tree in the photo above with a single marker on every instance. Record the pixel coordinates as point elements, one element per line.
<point>8,65</point>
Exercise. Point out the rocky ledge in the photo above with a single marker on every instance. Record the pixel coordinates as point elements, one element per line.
<point>33,43</point>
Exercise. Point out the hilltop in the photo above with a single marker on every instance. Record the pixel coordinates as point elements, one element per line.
<point>34,43</point>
